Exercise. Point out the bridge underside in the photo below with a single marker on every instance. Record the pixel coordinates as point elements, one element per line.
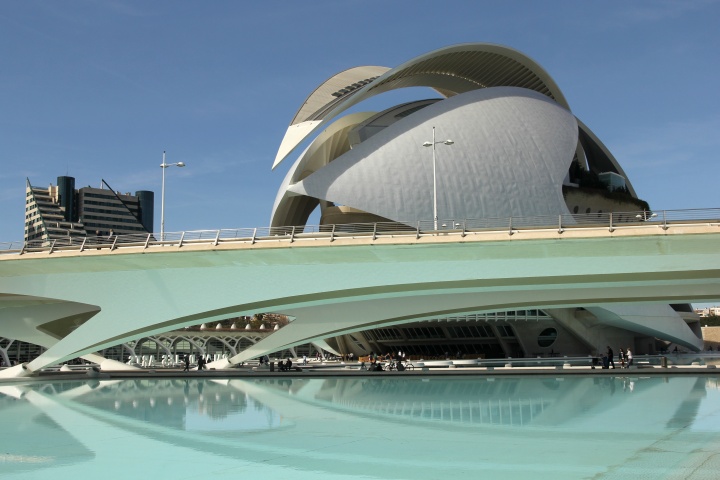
<point>332,288</point>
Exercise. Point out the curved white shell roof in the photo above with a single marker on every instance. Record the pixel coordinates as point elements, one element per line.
<point>512,150</point>
<point>331,143</point>
<point>450,71</point>
<point>337,87</point>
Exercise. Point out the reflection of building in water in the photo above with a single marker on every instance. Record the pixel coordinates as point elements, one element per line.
<point>341,425</point>
<point>167,401</point>
<point>493,403</point>
<point>687,411</point>
<point>516,401</point>
<point>507,401</point>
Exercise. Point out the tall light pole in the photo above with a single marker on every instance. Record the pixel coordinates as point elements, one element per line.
<point>432,144</point>
<point>162,194</point>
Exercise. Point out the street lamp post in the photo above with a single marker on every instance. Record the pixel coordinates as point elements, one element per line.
<point>432,144</point>
<point>162,194</point>
<point>645,217</point>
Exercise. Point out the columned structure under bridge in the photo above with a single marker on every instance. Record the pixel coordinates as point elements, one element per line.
<point>346,285</point>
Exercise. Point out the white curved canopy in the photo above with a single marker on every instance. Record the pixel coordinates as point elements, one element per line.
<point>450,71</point>
<point>330,144</point>
<point>335,88</point>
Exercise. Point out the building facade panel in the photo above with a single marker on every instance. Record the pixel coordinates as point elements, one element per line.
<point>63,213</point>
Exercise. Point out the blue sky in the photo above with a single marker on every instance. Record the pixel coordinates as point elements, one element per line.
<point>98,89</point>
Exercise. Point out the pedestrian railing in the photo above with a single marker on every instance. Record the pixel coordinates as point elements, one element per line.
<point>664,219</point>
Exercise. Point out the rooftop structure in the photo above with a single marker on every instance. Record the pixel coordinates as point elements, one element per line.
<point>713,311</point>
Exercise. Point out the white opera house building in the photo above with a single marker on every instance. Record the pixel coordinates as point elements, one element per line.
<point>515,150</point>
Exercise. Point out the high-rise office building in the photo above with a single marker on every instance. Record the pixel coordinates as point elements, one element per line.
<point>61,212</point>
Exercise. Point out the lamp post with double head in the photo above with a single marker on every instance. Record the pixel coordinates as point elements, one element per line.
<point>165,165</point>
<point>432,144</point>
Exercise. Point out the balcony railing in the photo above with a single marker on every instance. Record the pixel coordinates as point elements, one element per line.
<point>664,219</point>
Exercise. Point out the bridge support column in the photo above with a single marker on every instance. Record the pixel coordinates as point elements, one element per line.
<point>18,371</point>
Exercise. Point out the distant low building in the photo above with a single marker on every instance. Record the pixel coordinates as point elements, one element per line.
<point>61,212</point>
<point>708,311</point>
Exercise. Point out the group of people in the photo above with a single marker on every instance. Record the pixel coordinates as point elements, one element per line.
<point>284,366</point>
<point>389,357</point>
<point>625,358</point>
<point>393,364</point>
<point>201,362</point>
<point>376,366</point>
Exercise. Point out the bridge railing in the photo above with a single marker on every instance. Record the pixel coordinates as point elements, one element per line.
<point>609,221</point>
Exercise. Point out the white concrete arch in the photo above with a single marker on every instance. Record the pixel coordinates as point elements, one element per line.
<point>335,88</point>
<point>160,342</point>
<point>223,341</point>
<point>449,70</point>
<point>289,208</point>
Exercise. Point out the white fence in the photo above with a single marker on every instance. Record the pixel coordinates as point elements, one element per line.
<point>664,219</point>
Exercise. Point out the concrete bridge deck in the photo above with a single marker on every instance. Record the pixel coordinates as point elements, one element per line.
<point>80,300</point>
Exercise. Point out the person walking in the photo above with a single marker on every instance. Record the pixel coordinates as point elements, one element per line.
<point>621,357</point>
<point>187,363</point>
<point>628,355</point>
<point>610,355</point>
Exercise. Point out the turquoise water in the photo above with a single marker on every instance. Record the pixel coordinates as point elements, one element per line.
<point>381,428</point>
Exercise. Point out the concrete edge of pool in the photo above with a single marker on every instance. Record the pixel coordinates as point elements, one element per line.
<point>340,371</point>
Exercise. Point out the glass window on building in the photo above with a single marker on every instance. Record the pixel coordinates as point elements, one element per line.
<point>506,331</point>
<point>547,337</point>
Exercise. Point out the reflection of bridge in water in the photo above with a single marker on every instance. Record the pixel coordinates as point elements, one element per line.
<point>334,284</point>
<point>336,426</point>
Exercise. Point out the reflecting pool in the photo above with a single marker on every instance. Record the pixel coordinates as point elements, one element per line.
<point>413,428</point>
